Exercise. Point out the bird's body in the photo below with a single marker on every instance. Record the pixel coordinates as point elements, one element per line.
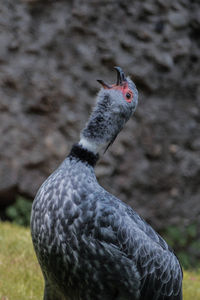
<point>90,245</point>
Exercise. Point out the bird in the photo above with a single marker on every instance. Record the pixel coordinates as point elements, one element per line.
<point>91,245</point>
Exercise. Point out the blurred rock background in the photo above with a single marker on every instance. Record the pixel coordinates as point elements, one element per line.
<point>52,52</point>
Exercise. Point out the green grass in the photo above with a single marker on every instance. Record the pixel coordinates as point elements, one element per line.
<point>20,275</point>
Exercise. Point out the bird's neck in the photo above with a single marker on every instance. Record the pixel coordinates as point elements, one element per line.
<point>83,154</point>
<point>101,127</point>
<point>91,146</point>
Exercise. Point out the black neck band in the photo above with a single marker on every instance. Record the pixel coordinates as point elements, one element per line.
<point>84,155</point>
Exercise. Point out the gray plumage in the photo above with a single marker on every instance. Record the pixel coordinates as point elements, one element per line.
<point>90,245</point>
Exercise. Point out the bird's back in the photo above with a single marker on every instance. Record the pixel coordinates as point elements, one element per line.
<point>90,245</point>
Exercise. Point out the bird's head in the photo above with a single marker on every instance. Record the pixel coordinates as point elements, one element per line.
<point>124,89</point>
<point>115,105</point>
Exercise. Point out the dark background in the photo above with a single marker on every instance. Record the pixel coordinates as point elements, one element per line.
<point>52,52</point>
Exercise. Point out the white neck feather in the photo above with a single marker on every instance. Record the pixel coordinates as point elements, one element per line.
<point>90,146</point>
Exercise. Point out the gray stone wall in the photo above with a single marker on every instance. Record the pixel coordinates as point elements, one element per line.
<point>51,52</point>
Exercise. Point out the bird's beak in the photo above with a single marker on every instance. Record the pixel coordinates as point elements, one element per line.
<point>105,85</point>
<point>121,79</point>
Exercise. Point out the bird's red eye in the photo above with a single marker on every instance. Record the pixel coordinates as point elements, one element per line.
<point>129,96</point>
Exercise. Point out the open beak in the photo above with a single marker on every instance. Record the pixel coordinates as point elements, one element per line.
<point>104,85</point>
<point>120,76</point>
<point>121,79</point>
